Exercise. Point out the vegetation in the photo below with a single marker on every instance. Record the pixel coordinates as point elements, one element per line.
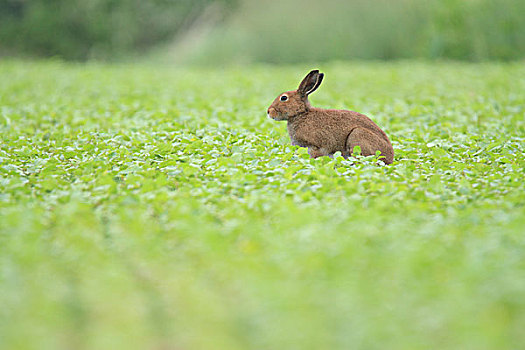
<point>147,207</point>
<point>290,31</point>
<point>312,31</point>
<point>93,29</point>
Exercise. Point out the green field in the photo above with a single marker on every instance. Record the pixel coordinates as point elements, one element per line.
<point>148,207</point>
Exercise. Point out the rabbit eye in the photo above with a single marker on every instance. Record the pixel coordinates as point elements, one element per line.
<point>284,98</point>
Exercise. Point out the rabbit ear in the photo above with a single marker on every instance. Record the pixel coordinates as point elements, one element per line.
<point>310,83</point>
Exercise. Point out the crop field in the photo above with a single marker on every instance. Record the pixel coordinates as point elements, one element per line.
<point>154,207</point>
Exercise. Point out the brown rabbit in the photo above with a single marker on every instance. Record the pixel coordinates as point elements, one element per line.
<point>326,131</point>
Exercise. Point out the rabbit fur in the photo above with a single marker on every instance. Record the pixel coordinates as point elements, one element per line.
<point>326,131</point>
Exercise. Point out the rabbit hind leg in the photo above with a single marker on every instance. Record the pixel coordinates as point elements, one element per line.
<point>370,143</point>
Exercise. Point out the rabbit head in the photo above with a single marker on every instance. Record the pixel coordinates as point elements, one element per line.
<point>292,103</point>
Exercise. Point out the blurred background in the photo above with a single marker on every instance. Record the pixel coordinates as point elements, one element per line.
<point>271,31</point>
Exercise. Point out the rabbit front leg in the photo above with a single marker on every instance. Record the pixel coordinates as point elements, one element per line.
<point>316,152</point>
<point>313,151</point>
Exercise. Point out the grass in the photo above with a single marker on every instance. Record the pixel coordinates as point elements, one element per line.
<point>148,207</point>
<point>277,31</point>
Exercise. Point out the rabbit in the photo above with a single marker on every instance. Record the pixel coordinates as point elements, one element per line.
<point>326,131</point>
